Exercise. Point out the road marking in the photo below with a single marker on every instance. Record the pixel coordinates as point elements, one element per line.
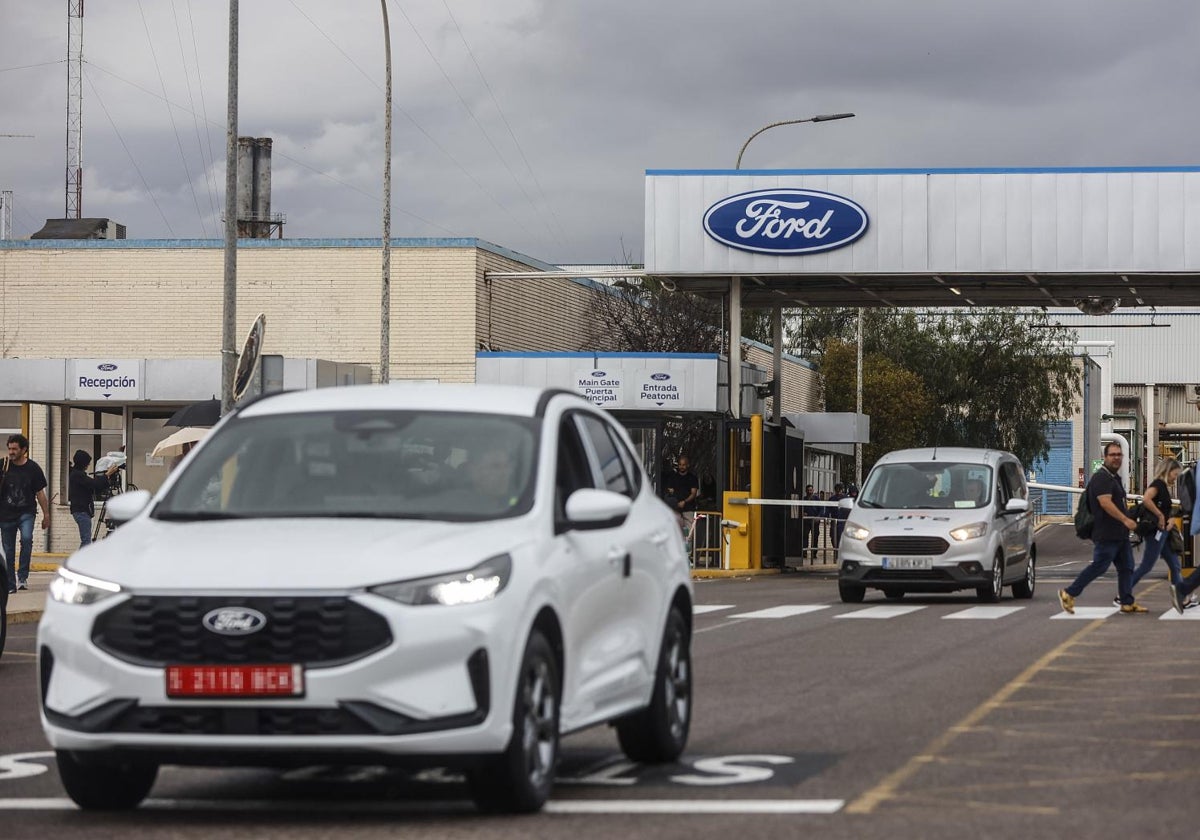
<point>694,806</point>
<point>1087,613</point>
<point>984,612</point>
<point>701,609</point>
<point>558,806</point>
<point>886,789</point>
<point>879,612</point>
<point>1188,615</point>
<point>786,611</point>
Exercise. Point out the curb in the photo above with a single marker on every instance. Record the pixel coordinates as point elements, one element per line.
<point>705,574</point>
<point>25,617</point>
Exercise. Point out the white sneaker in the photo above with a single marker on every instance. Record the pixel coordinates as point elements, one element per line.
<point>22,585</point>
<point>1190,602</point>
<point>1117,601</point>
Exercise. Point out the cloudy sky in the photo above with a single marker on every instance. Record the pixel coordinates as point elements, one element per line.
<point>530,123</point>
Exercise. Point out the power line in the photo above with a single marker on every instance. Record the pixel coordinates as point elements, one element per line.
<point>29,66</point>
<point>504,119</point>
<point>206,163</point>
<point>129,154</point>
<point>178,142</point>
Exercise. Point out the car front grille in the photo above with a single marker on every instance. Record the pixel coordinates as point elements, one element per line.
<point>317,632</point>
<point>908,575</point>
<point>908,545</point>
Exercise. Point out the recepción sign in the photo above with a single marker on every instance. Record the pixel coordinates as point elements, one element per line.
<point>104,380</point>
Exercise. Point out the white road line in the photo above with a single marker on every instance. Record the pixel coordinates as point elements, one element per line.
<point>879,612</point>
<point>1188,615</point>
<point>559,806</point>
<point>1087,613</point>
<point>701,609</point>
<point>694,806</point>
<point>984,612</point>
<point>786,611</point>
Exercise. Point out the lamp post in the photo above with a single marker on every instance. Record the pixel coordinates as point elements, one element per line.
<point>229,288</point>
<point>385,300</point>
<point>817,118</point>
<point>735,349</point>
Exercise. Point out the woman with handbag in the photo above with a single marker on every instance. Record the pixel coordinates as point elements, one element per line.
<point>1157,503</point>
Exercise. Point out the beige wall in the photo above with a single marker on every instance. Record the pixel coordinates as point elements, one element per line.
<point>801,384</point>
<point>530,314</point>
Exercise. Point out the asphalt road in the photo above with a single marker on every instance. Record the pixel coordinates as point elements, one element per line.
<point>812,716</point>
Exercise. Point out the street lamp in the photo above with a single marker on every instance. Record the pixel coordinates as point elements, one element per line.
<point>817,118</point>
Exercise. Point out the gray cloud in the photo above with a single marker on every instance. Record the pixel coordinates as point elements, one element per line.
<point>595,93</point>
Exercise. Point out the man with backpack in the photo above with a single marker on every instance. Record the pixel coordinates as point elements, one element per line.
<point>1105,498</point>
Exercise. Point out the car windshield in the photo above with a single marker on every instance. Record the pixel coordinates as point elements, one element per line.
<point>930,485</point>
<point>360,464</point>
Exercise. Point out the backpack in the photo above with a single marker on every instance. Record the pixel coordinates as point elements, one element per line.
<point>1084,520</point>
<point>1186,488</point>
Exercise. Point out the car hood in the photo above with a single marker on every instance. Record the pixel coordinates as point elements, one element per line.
<point>885,522</point>
<point>291,553</point>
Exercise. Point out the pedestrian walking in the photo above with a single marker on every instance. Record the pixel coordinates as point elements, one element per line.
<point>809,521</point>
<point>837,522</point>
<point>681,488</point>
<point>22,490</point>
<point>1157,500</point>
<point>81,492</point>
<point>1110,535</point>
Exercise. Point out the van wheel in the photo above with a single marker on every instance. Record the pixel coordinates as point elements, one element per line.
<point>991,594</point>
<point>893,594</point>
<point>1023,588</point>
<point>658,733</point>
<point>518,781</point>
<point>851,594</point>
<point>104,785</point>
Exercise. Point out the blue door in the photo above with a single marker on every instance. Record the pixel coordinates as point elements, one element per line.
<point>1056,468</point>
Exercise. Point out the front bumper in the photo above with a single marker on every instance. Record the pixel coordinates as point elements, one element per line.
<point>966,566</point>
<point>433,690</point>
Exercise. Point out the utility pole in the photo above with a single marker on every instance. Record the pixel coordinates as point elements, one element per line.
<point>229,300</point>
<point>73,208</point>
<point>385,300</point>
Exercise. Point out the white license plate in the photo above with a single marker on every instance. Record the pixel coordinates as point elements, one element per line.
<point>908,563</point>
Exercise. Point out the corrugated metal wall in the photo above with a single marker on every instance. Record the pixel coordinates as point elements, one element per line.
<point>1056,469</point>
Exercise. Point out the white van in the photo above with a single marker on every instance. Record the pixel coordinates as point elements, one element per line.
<point>940,520</point>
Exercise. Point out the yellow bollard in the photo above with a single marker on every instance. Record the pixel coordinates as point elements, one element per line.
<point>735,530</point>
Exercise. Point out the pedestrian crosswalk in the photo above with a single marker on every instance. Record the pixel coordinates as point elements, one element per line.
<point>884,612</point>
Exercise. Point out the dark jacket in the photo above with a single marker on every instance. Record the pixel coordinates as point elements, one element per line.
<point>82,489</point>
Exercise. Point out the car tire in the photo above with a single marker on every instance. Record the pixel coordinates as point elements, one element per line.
<point>992,593</point>
<point>99,784</point>
<point>1023,588</point>
<point>893,594</point>
<point>519,780</point>
<point>850,593</point>
<point>658,733</point>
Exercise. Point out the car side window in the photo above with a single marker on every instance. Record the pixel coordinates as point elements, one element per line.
<point>571,471</point>
<point>612,470</point>
<point>628,459</point>
<point>1015,481</point>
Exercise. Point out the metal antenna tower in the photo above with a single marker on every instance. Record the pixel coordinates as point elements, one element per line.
<point>74,200</point>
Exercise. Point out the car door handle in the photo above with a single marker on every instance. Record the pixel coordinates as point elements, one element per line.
<point>616,555</point>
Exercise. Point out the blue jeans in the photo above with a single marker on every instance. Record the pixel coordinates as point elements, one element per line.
<point>85,527</point>
<point>1151,548</point>
<point>1104,554</point>
<point>8,534</point>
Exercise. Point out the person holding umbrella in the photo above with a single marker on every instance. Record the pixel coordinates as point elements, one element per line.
<point>81,492</point>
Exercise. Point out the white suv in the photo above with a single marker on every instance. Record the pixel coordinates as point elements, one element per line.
<point>937,520</point>
<point>450,575</point>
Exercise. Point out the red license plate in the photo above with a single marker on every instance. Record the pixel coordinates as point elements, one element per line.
<point>235,681</point>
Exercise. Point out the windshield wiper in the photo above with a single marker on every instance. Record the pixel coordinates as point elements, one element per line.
<point>197,515</point>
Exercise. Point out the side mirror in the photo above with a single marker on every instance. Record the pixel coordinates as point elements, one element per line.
<point>593,510</point>
<point>846,503</point>
<point>124,507</point>
<point>1016,506</point>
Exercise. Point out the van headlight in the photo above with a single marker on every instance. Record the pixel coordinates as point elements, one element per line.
<point>855,531</point>
<point>969,532</point>
<point>481,583</point>
<point>73,588</point>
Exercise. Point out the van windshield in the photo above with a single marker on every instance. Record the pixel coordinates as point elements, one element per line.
<point>935,485</point>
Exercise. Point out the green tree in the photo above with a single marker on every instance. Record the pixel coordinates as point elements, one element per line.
<point>896,399</point>
<point>996,376</point>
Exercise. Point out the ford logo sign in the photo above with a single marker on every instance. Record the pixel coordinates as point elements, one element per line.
<point>785,221</point>
<point>599,374</point>
<point>106,366</point>
<point>660,377</point>
<point>234,621</point>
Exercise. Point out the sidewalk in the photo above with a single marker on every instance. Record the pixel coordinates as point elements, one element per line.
<point>25,607</point>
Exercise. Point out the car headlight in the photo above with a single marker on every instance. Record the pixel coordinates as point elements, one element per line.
<point>73,588</point>
<point>855,531</point>
<point>969,532</point>
<point>481,583</point>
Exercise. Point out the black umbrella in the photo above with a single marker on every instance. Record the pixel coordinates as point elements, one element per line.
<point>203,413</point>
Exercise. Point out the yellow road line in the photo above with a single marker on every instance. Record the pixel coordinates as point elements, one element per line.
<point>886,789</point>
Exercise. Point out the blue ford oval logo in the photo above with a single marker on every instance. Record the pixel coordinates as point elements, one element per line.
<point>234,621</point>
<point>785,221</point>
<point>660,377</point>
<point>599,374</point>
<point>106,366</point>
